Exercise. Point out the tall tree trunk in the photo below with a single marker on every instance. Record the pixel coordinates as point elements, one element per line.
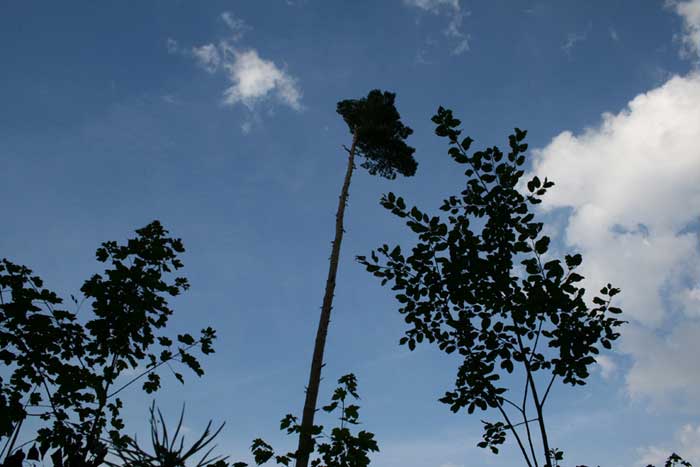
<point>307,421</point>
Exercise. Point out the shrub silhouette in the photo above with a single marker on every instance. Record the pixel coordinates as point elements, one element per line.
<point>339,448</point>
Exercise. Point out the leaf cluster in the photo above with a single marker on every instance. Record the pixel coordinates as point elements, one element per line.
<point>340,448</point>
<point>379,134</point>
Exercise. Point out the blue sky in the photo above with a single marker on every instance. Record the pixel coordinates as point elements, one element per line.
<point>218,118</point>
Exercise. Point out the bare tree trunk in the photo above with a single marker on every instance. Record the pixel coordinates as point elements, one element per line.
<point>307,421</point>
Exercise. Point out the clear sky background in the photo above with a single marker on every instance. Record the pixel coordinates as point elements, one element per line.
<point>218,118</point>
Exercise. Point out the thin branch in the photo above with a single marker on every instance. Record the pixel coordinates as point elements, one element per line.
<point>148,370</point>
<point>537,339</point>
<point>20,446</point>
<point>476,172</point>
<point>342,416</point>
<point>525,422</point>
<point>511,403</point>
<point>14,439</point>
<point>549,386</point>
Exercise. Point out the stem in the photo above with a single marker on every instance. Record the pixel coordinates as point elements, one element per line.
<point>517,438</point>
<point>538,405</point>
<point>14,439</point>
<point>527,425</point>
<point>549,386</point>
<point>513,404</point>
<point>18,425</point>
<point>535,398</point>
<point>342,417</point>
<point>305,436</point>
<point>94,434</point>
<point>537,339</point>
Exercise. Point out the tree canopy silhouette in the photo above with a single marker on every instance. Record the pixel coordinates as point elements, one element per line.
<point>484,284</point>
<point>66,372</point>
<point>379,137</point>
<point>379,134</point>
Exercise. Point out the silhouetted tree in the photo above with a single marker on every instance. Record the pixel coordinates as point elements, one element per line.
<point>674,460</point>
<point>462,288</point>
<point>378,136</point>
<point>342,448</point>
<point>65,371</point>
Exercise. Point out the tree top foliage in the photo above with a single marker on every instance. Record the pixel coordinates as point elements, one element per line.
<point>379,134</point>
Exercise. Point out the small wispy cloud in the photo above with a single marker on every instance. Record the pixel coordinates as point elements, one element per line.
<point>237,26</point>
<point>208,57</point>
<point>171,45</point>
<point>423,52</point>
<point>433,6</point>
<point>572,39</point>
<point>453,31</point>
<point>536,9</point>
<point>252,79</point>
<point>169,99</point>
<point>613,34</point>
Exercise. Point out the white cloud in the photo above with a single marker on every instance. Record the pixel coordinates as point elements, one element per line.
<point>689,10</point>
<point>666,370</point>
<point>208,57</point>
<point>237,26</point>
<point>686,444</point>
<point>631,185</point>
<point>254,79</point>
